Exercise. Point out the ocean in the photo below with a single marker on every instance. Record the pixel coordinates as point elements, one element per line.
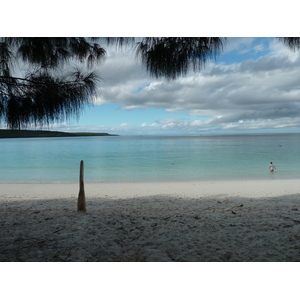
<point>150,158</point>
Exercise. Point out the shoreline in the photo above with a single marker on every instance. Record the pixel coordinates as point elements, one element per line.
<point>249,188</point>
<point>272,177</point>
<point>245,221</point>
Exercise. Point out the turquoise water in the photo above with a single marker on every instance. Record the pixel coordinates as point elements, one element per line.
<point>149,158</point>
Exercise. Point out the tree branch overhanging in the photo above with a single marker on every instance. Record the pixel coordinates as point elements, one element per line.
<point>42,96</point>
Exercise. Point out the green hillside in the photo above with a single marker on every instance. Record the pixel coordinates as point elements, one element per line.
<point>6,133</point>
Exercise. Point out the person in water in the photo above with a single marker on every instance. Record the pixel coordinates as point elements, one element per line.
<point>272,167</point>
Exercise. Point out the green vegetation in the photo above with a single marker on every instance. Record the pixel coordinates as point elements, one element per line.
<point>6,133</point>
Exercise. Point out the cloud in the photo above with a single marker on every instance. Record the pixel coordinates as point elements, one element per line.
<point>242,44</point>
<point>260,93</point>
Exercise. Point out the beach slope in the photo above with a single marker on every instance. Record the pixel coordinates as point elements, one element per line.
<point>172,221</point>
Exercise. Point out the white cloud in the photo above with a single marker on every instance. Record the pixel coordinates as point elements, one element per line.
<point>277,48</point>
<point>253,94</point>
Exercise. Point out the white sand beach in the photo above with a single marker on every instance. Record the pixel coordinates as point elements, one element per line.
<point>207,221</point>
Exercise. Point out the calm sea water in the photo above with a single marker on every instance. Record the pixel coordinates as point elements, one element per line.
<point>115,159</point>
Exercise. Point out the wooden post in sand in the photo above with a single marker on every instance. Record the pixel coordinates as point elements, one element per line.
<point>81,196</point>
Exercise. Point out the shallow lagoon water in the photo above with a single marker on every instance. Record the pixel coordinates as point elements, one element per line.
<point>150,158</point>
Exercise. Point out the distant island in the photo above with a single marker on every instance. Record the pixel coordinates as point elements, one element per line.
<point>7,133</point>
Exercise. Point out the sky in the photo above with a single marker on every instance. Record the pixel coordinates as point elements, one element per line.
<point>252,87</point>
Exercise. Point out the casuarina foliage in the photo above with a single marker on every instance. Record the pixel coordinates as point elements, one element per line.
<point>45,80</point>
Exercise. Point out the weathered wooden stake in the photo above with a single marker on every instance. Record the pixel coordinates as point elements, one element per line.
<point>81,206</point>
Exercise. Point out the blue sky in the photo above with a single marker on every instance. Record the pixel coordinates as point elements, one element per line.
<point>252,87</point>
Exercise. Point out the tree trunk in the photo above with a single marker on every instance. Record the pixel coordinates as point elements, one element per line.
<point>81,206</point>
